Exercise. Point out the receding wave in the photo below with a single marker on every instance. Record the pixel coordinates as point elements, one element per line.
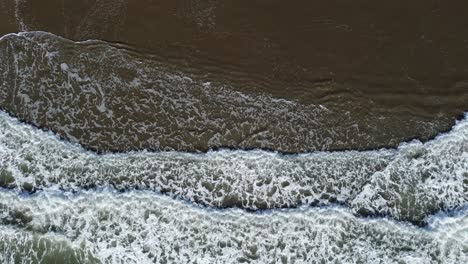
<point>61,202</point>
<point>141,227</point>
<point>408,183</point>
<point>110,99</point>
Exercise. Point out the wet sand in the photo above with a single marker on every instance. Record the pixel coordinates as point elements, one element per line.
<point>403,62</point>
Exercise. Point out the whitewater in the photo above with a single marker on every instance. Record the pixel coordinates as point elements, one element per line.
<point>62,202</point>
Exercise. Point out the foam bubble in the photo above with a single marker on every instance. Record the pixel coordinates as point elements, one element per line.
<point>141,227</point>
<point>407,184</point>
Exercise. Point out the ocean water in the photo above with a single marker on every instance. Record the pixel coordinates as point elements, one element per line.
<point>109,98</point>
<point>407,183</point>
<point>142,227</point>
<point>322,137</point>
<point>61,203</point>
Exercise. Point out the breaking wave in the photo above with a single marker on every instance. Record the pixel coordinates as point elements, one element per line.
<point>408,183</point>
<point>141,227</point>
<point>60,202</point>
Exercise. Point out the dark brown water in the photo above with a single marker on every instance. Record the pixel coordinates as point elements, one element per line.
<point>190,76</point>
<point>386,72</point>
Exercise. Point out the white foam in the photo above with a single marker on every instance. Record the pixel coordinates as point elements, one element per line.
<point>64,67</point>
<point>408,183</point>
<point>141,227</point>
<point>103,225</point>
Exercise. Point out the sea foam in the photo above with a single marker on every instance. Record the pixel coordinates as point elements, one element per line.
<point>408,183</point>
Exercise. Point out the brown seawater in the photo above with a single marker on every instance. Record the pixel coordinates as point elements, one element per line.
<point>386,73</point>
<point>233,131</point>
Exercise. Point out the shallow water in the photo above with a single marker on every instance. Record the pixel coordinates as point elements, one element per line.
<point>389,72</point>
<point>141,227</point>
<point>236,131</point>
<point>108,99</point>
<point>407,184</point>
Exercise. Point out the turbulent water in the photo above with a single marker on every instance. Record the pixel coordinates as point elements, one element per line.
<point>408,183</point>
<point>63,222</point>
<point>66,198</point>
<point>141,227</point>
